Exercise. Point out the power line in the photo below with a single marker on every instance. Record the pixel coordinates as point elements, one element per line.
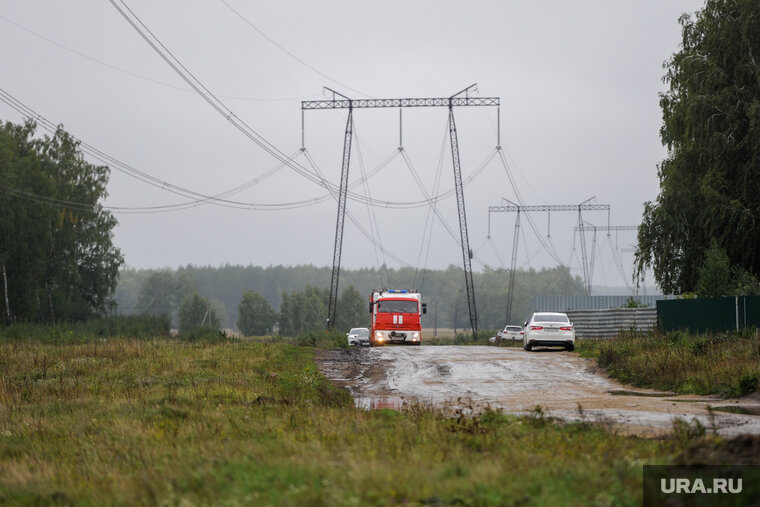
<point>199,198</point>
<point>135,75</point>
<point>290,54</point>
<point>238,123</point>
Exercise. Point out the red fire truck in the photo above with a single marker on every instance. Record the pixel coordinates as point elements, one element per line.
<point>396,316</point>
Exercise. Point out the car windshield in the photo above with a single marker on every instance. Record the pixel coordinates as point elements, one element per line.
<point>360,332</point>
<point>550,317</point>
<point>395,306</point>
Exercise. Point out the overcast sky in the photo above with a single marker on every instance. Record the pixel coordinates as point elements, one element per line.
<point>578,83</point>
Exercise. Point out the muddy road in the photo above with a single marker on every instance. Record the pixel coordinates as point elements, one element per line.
<point>515,381</point>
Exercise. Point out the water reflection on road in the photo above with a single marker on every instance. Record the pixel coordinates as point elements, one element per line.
<point>515,381</point>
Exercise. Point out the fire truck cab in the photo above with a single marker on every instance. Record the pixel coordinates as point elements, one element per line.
<point>396,316</point>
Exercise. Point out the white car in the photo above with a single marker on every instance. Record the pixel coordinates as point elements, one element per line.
<point>358,336</point>
<point>509,333</point>
<point>549,329</point>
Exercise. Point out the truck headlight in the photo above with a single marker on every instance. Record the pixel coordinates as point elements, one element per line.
<point>416,335</point>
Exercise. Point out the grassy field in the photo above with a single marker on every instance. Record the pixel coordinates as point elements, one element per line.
<point>89,419</point>
<point>727,364</point>
<point>162,421</point>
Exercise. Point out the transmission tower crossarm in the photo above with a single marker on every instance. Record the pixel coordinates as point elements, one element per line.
<point>512,207</point>
<point>613,228</point>
<point>548,207</point>
<point>403,102</point>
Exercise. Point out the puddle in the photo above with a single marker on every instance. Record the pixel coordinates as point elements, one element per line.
<point>377,402</point>
<point>703,400</point>
<point>622,392</point>
<point>459,379</point>
<point>739,409</point>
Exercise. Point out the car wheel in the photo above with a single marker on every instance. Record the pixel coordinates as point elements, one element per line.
<point>570,347</point>
<point>528,347</point>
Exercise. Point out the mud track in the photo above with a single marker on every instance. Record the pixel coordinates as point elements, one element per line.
<point>564,385</point>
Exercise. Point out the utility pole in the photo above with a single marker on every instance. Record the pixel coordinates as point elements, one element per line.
<point>459,99</point>
<point>517,208</point>
<point>435,320</point>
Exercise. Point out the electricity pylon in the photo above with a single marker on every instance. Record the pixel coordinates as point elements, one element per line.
<point>459,99</point>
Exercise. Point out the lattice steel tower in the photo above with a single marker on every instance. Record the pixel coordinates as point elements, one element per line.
<point>459,99</point>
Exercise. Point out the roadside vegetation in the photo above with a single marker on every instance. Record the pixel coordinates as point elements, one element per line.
<point>88,419</point>
<point>460,338</point>
<point>727,364</point>
<point>298,295</point>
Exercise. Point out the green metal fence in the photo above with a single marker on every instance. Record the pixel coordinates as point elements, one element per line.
<point>709,314</point>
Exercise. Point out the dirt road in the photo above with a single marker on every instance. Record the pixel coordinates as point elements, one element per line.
<point>515,381</point>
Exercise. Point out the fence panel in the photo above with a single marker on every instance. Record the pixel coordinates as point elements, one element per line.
<point>609,323</point>
<point>709,314</point>
<point>567,303</point>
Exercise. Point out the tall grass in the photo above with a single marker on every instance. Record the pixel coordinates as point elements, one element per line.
<point>129,326</point>
<point>164,421</point>
<point>727,364</point>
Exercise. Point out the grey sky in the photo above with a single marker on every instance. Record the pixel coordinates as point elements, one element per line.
<point>578,83</point>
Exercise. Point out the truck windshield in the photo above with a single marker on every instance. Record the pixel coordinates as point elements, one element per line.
<point>397,306</point>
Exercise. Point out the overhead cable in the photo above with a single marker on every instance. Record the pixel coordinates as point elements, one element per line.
<point>527,215</point>
<point>197,198</point>
<point>139,76</point>
<point>238,123</point>
<point>290,54</point>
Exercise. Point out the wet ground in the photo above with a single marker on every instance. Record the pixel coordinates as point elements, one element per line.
<point>564,385</point>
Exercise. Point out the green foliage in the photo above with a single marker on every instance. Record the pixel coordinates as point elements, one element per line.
<point>725,364</point>
<point>710,180</point>
<point>164,422</point>
<point>162,291</point>
<point>715,274</point>
<point>717,277</point>
<point>632,303</point>
<point>205,334</point>
<point>221,312</point>
<point>57,260</point>
<point>747,284</point>
<point>322,339</point>
<point>91,331</point>
<point>304,311</point>
<point>686,434</point>
<point>442,290</point>
<point>196,312</point>
<point>352,310</point>
<point>255,315</point>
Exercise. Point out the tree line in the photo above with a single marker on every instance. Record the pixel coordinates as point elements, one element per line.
<point>295,298</point>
